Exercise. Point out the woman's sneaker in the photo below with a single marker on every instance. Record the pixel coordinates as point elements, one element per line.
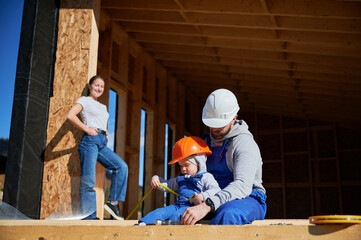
<point>113,210</point>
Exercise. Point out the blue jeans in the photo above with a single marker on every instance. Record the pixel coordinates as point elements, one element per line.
<point>171,212</point>
<point>241,211</point>
<point>92,149</point>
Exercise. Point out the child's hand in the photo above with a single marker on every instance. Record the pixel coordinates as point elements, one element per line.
<point>155,182</point>
<point>198,198</point>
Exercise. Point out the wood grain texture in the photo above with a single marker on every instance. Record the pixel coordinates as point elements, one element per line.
<point>77,46</point>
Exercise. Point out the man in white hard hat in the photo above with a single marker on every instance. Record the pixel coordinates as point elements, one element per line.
<point>236,164</point>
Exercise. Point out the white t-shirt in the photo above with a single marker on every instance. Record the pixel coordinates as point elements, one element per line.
<point>94,114</point>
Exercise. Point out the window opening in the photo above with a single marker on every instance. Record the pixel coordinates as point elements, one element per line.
<point>112,122</point>
<point>167,158</point>
<point>143,119</point>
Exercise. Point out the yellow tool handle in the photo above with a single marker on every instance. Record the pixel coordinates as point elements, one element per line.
<point>141,200</point>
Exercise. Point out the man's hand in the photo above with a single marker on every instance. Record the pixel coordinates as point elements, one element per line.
<point>193,214</point>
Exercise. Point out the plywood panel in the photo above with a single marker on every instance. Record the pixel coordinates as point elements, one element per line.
<point>76,61</point>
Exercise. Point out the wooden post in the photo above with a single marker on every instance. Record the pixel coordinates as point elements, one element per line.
<point>161,121</point>
<point>76,62</point>
<point>133,127</point>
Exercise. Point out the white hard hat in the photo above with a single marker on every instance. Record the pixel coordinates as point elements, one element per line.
<point>220,108</point>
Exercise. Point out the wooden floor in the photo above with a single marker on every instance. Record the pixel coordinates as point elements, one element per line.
<point>112,229</point>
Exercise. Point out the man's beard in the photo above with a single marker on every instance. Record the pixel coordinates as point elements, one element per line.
<point>220,135</point>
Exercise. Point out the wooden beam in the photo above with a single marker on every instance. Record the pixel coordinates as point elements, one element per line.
<point>183,49</point>
<point>233,55</point>
<point>161,113</point>
<point>239,72</point>
<point>340,9</point>
<point>314,24</point>
<point>77,54</point>
<point>185,58</point>
<point>260,230</point>
<point>254,44</point>
<point>243,33</point>
<point>190,65</point>
<point>199,72</point>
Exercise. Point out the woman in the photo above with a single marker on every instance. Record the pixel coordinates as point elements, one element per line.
<point>92,148</point>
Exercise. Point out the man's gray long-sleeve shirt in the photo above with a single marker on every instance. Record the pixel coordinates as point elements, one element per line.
<point>244,161</point>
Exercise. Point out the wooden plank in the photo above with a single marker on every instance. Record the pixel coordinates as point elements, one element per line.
<point>133,129</point>
<point>185,58</point>
<point>149,84</point>
<point>183,49</point>
<point>339,9</point>
<point>320,8</point>
<point>76,62</point>
<point>121,39</point>
<point>149,15</point>
<point>107,229</point>
<point>161,103</point>
<point>199,72</point>
<point>236,32</point>
<point>180,126</point>
<point>149,157</point>
<point>326,24</point>
<point>171,98</point>
<point>158,4</point>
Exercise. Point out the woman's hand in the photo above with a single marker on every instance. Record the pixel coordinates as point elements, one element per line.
<point>73,119</point>
<point>198,198</point>
<point>92,131</point>
<point>155,182</point>
<point>193,214</point>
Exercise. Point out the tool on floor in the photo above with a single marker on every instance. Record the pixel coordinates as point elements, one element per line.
<point>159,222</point>
<point>324,219</point>
<point>167,222</point>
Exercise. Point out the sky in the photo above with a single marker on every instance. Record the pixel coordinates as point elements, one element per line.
<point>10,25</point>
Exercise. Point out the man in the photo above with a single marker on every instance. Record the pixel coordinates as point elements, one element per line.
<point>236,164</point>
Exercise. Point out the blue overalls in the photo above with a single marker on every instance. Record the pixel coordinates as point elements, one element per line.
<point>238,211</point>
<point>186,188</point>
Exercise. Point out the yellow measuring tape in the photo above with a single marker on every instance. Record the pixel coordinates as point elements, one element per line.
<point>141,200</point>
<point>335,219</point>
<point>170,190</point>
<point>149,191</point>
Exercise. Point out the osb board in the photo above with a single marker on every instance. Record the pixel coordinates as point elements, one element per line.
<point>273,229</point>
<point>76,50</point>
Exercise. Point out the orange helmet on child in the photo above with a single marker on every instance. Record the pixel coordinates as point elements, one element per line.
<point>189,146</point>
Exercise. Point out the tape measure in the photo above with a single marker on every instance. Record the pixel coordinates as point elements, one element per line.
<point>324,219</point>
<point>170,190</point>
<point>150,190</point>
